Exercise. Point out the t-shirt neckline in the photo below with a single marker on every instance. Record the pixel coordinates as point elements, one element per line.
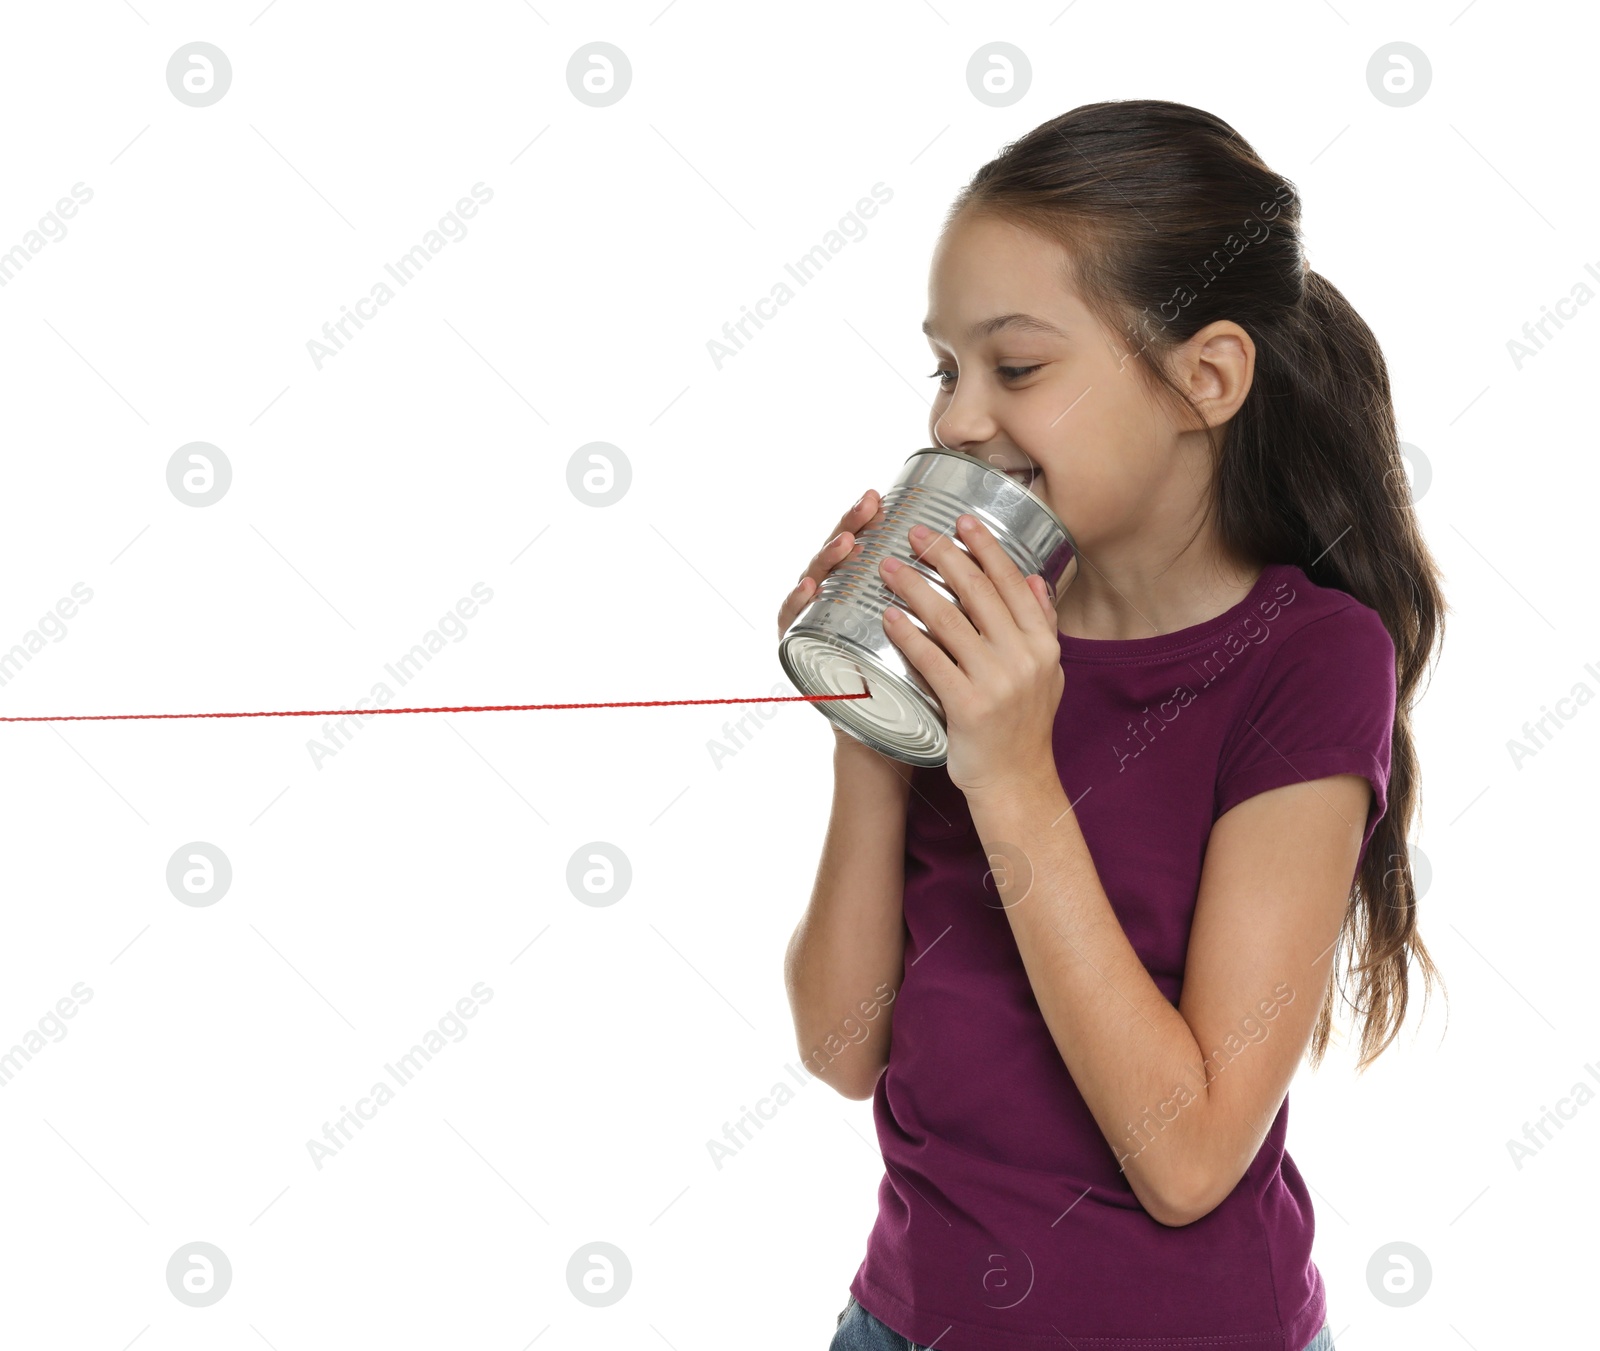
<point>1162,645</point>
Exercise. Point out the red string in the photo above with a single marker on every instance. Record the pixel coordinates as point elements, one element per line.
<point>466,708</point>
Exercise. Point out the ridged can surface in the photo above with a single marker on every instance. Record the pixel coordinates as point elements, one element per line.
<point>837,644</point>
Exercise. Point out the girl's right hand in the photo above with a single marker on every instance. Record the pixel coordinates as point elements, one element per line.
<point>828,557</point>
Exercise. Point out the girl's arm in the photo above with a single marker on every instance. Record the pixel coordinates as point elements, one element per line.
<point>845,961</point>
<point>1185,1095</point>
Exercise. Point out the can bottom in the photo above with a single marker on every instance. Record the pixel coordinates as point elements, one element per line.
<point>899,720</point>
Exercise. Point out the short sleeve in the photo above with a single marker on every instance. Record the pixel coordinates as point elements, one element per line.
<point>1325,705</point>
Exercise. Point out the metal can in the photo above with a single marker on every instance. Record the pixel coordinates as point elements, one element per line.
<point>837,644</point>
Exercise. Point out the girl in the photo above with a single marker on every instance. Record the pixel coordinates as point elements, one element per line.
<point>1092,948</point>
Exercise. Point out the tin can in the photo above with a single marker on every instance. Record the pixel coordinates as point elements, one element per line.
<point>837,644</point>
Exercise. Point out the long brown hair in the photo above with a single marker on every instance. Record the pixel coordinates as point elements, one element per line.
<point>1170,222</point>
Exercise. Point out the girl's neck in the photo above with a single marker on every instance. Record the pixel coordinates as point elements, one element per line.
<point>1147,597</point>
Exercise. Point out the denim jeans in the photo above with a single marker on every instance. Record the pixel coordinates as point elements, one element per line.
<point>858,1330</point>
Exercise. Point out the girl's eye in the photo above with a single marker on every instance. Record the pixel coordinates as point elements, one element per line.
<point>1010,373</point>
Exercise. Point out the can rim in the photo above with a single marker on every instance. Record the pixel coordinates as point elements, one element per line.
<point>1004,478</point>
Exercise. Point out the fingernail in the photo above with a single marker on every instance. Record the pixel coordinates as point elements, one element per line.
<point>860,500</point>
<point>890,563</point>
<point>920,532</point>
<point>834,540</point>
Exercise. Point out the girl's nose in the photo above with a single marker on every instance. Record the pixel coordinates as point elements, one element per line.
<point>962,426</point>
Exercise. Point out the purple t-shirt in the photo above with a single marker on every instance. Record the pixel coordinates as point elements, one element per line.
<point>1004,1222</point>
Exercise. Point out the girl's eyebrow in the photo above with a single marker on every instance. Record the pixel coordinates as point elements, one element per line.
<point>1028,323</point>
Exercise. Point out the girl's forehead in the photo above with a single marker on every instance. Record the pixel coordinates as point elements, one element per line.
<point>986,267</point>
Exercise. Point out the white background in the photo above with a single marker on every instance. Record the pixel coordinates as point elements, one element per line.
<point>431,851</point>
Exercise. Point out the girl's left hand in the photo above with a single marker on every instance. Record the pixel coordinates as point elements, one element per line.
<point>1001,690</point>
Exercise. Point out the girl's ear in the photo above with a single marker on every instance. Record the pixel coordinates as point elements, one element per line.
<point>1218,368</point>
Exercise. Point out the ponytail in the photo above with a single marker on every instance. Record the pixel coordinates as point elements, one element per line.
<point>1311,474</point>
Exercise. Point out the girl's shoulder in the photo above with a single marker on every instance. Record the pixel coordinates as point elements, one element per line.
<point>1320,700</point>
<point>1323,620</point>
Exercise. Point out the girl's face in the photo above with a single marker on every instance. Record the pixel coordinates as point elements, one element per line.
<point>1029,381</point>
